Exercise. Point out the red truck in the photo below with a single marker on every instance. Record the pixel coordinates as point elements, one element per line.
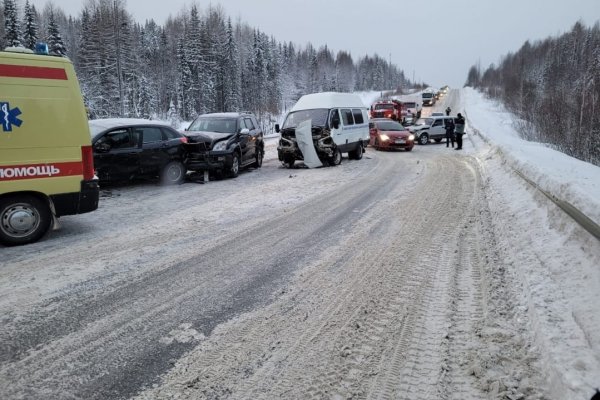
<point>388,109</point>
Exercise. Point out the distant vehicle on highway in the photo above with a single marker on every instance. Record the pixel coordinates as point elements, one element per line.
<point>428,98</point>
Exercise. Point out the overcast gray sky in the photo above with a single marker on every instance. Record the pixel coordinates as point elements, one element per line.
<point>435,41</point>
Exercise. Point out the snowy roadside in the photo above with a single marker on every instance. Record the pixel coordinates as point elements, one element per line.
<point>547,263</point>
<point>563,176</point>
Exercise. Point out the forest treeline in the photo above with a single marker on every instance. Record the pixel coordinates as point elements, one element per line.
<point>553,86</point>
<point>199,61</point>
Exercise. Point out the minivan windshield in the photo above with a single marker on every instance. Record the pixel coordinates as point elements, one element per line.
<point>318,117</point>
<point>384,107</point>
<point>427,95</point>
<point>208,124</point>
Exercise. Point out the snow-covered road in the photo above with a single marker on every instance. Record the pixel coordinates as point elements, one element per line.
<point>433,274</point>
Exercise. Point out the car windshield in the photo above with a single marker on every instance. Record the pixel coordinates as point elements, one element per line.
<point>318,117</point>
<point>390,126</point>
<point>427,95</point>
<point>384,107</point>
<point>209,124</point>
<point>424,121</point>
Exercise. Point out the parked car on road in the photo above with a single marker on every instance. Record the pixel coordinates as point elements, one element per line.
<point>430,128</point>
<point>387,134</point>
<point>224,143</point>
<point>127,148</point>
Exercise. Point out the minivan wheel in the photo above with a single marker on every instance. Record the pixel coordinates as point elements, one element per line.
<point>234,170</point>
<point>424,138</point>
<point>173,173</point>
<point>336,159</point>
<point>358,152</point>
<point>23,219</point>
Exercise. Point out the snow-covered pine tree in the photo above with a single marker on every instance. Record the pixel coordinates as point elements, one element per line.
<point>193,52</point>
<point>185,103</point>
<point>232,100</point>
<point>273,70</point>
<point>30,32</point>
<point>56,45</point>
<point>12,35</point>
<point>2,34</point>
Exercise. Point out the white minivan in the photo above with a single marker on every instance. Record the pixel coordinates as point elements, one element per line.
<point>339,124</point>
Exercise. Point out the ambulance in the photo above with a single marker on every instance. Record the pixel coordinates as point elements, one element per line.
<point>46,160</point>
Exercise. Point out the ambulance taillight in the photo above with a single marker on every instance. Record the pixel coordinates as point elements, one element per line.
<point>87,157</point>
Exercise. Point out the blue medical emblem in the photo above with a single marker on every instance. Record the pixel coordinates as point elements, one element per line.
<point>8,117</point>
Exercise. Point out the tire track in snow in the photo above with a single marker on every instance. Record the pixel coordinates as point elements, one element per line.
<point>347,328</point>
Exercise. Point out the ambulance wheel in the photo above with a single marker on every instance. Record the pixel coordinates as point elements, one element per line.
<point>173,173</point>
<point>23,219</point>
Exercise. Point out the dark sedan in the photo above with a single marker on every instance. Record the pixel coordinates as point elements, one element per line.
<point>387,134</point>
<point>126,149</point>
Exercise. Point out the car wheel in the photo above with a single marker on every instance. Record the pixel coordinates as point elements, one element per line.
<point>357,154</point>
<point>376,145</point>
<point>260,154</point>
<point>173,173</point>
<point>408,148</point>
<point>424,139</point>
<point>23,219</point>
<point>234,170</point>
<point>336,159</point>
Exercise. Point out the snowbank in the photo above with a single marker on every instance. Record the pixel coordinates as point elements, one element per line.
<point>565,177</point>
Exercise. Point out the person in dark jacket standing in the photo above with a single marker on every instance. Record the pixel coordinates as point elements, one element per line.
<point>459,130</point>
<point>448,110</point>
<point>449,132</point>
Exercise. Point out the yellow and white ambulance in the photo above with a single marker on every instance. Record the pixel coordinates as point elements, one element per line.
<point>46,161</point>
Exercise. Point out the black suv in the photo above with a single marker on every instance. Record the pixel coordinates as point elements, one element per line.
<point>127,148</point>
<point>224,143</point>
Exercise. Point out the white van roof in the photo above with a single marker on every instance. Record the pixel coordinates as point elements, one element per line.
<point>328,100</point>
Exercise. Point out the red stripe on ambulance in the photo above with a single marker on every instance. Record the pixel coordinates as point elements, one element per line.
<point>24,71</point>
<point>36,171</point>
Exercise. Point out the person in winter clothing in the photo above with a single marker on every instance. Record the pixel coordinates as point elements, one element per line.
<point>449,133</point>
<point>459,130</point>
<point>448,110</point>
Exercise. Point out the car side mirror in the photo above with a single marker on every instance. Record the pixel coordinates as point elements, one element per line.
<point>244,131</point>
<point>335,123</point>
<point>277,129</point>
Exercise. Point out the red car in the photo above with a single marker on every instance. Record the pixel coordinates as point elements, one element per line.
<point>387,134</point>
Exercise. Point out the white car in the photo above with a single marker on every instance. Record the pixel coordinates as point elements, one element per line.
<point>430,128</point>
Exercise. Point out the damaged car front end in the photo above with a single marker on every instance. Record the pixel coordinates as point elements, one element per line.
<point>305,136</point>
